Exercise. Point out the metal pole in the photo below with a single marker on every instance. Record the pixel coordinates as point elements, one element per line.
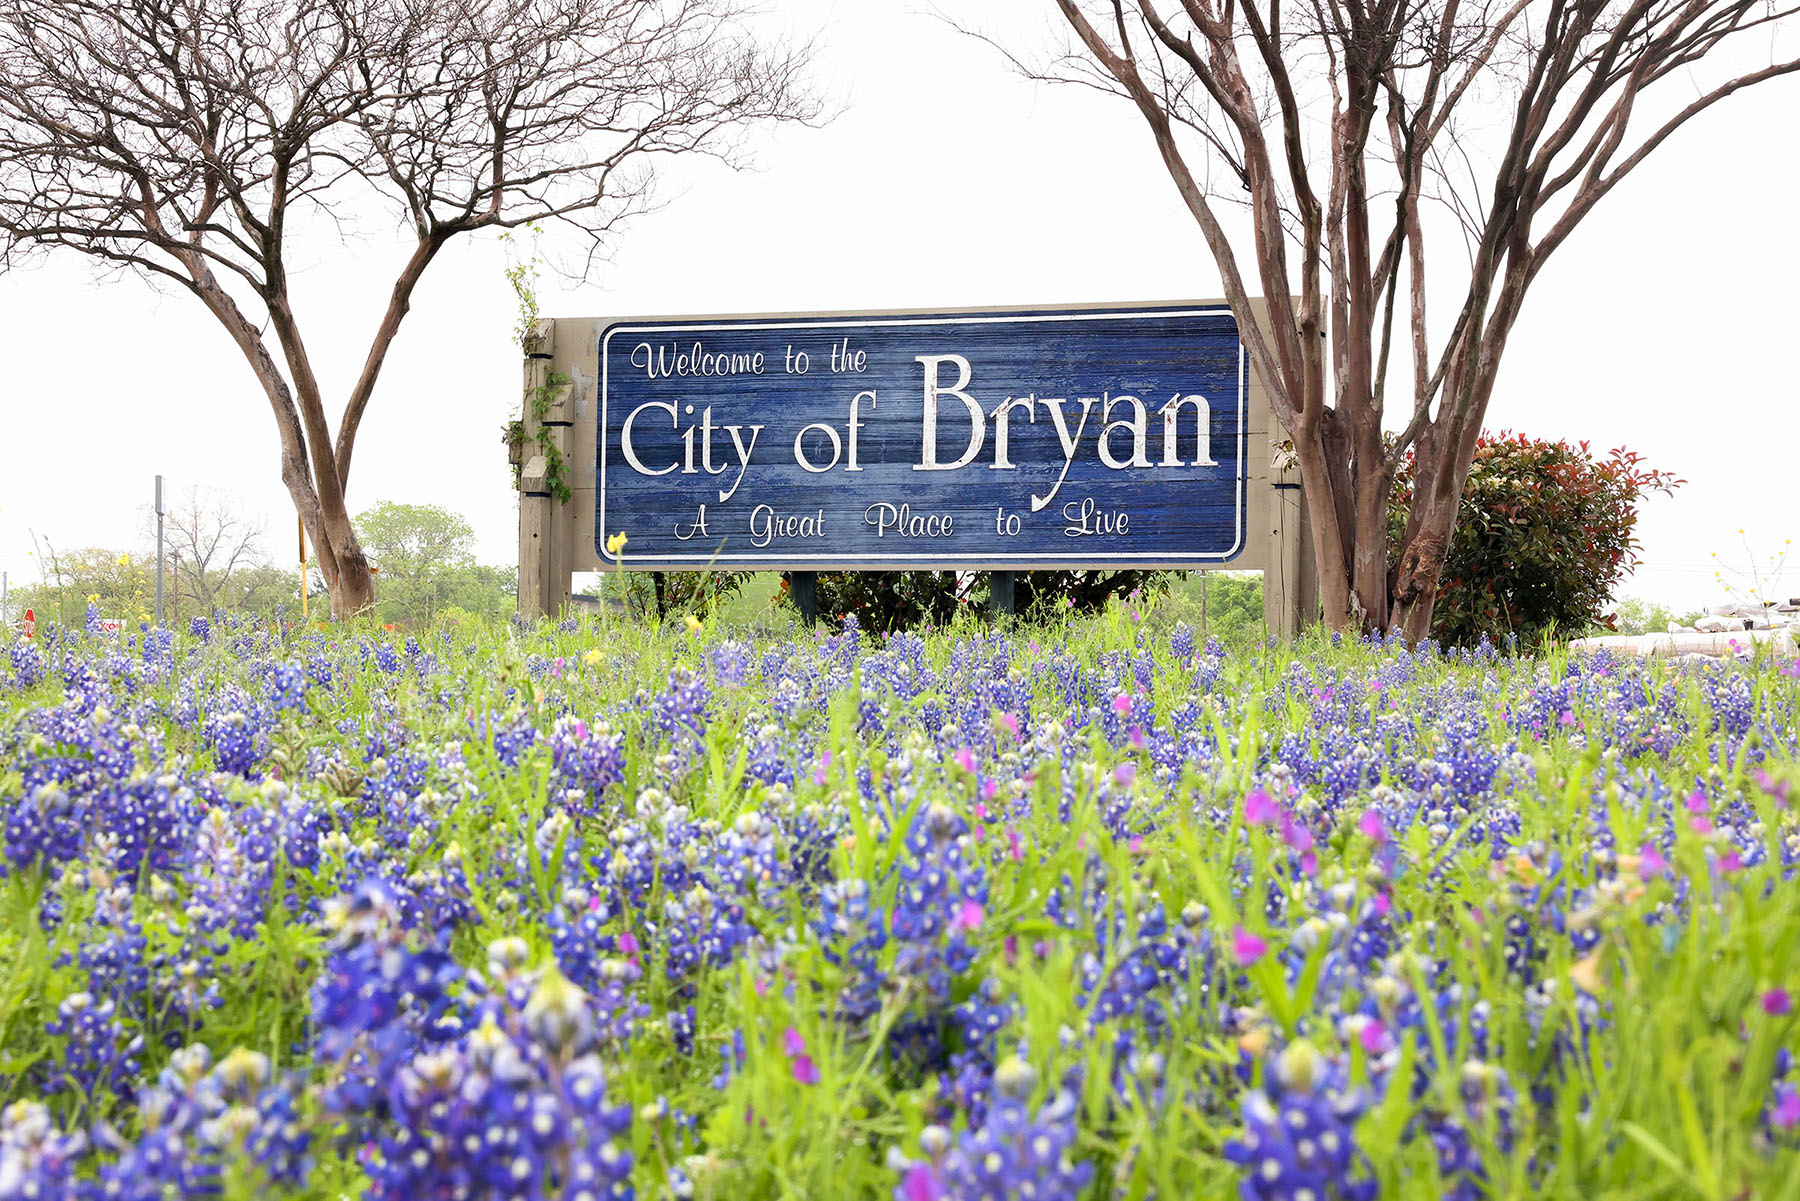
<point>1000,592</point>
<point>302,524</point>
<point>804,585</point>
<point>159,552</point>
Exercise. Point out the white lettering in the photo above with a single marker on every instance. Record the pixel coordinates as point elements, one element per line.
<point>1068,444</point>
<point>625,436</point>
<point>1202,434</point>
<point>806,464</point>
<point>743,457</point>
<point>1139,425</point>
<point>977,419</point>
<point>1029,404</point>
<point>855,424</point>
<point>902,522</point>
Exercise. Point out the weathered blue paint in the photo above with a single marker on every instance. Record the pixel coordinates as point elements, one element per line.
<point>717,449</point>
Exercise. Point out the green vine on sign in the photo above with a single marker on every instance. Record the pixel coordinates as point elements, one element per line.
<point>522,276</point>
<point>556,475</point>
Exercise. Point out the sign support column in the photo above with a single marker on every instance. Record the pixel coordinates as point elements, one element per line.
<point>537,516</point>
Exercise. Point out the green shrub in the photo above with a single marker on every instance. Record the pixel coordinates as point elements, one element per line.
<point>1543,536</point>
<point>904,600</point>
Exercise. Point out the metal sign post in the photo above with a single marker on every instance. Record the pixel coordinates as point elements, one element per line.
<point>302,524</point>
<point>159,551</point>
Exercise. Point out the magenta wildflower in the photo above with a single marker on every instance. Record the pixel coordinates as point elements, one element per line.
<point>1372,826</point>
<point>965,759</point>
<point>805,1070</point>
<point>1011,723</point>
<point>1653,863</point>
<point>1786,1114</point>
<point>1260,808</point>
<point>1777,1002</point>
<point>970,915</point>
<point>1122,704</point>
<point>1296,835</point>
<point>921,1184</point>
<point>1246,948</point>
<point>1696,802</point>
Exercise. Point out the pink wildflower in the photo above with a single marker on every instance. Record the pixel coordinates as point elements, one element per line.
<point>1246,948</point>
<point>970,915</point>
<point>1260,808</point>
<point>1122,704</point>
<point>1653,864</point>
<point>1372,826</point>
<point>965,759</point>
<point>1297,836</point>
<point>1777,1002</point>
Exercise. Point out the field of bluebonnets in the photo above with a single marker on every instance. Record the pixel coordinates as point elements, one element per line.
<point>588,910</point>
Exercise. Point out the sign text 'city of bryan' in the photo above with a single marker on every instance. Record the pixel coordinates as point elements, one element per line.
<point>1072,438</point>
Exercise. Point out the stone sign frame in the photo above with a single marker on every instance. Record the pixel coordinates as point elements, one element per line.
<point>557,539</point>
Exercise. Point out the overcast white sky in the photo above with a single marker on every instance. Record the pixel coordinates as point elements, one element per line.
<point>1668,324</point>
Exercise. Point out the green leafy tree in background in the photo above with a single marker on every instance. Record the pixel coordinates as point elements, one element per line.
<point>425,557</point>
<point>1545,534</point>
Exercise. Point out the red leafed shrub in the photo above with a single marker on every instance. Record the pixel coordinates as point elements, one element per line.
<point>1543,535</point>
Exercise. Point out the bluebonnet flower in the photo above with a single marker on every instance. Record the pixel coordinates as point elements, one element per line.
<point>1299,1141</point>
<point>99,1056</point>
<point>198,1118</point>
<point>516,1106</point>
<point>1012,1154</point>
<point>37,1159</point>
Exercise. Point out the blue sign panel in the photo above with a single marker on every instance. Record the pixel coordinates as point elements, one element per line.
<point>1078,438</point>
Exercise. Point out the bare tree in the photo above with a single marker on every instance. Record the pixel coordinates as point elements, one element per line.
<point>214,544</point>
<point>1338,124</point>
<point>186,139</point>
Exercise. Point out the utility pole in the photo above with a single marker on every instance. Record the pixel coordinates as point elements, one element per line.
<point>159,553</point>
<point>301,524</point>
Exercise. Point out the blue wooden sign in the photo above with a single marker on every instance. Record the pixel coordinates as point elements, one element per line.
<point>1048,438</point>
